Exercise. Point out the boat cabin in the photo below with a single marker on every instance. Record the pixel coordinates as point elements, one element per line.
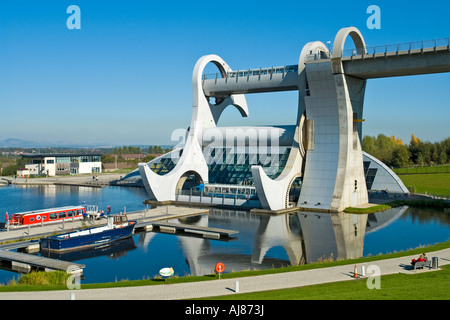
<point>117,221</point>
<point>46,215</point>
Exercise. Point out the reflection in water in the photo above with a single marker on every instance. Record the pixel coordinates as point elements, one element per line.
<point>332,235</point>
<point>303,237</point>
<point>268,241</point>
<point>114,250</point>
<point>263,241</point>
<point>380,220</point>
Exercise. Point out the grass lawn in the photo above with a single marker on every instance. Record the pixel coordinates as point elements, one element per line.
<point>427,286</point>
<point>422,170</point>
<point>371,209</point>
<point>436,184</point>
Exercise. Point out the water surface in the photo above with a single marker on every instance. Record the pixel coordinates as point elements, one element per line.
<point>263,241</point>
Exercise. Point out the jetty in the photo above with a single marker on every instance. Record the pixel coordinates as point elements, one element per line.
<point>159,219</point>
<point>149,219</point>
<point>24,262</point>
<point>205,232</point>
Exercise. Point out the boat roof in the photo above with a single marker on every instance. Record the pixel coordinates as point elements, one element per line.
<point>49,210</point>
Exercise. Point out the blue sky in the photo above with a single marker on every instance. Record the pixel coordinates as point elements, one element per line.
<point>125,77</point>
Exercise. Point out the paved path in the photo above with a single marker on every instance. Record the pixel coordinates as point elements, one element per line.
<point>227,286</point>
<point>82,179</point>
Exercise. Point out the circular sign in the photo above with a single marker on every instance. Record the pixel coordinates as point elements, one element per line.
<point>166,272</point>
<point>220,267</point>
<point>38,217</point>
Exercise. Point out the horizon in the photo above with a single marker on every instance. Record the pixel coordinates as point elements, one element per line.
<point>125,77</point>
<point>29,144</point>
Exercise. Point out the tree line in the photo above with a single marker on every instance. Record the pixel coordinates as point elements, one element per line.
<point>138,150</point>
<point>10,159</point>
<point>394,153</point>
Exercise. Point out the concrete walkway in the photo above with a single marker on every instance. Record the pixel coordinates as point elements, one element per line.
<point>227,286</point>
<point>83,179</point>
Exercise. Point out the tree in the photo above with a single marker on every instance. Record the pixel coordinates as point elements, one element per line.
<point>149,157</point>
<point>414,140</point>
<point>443,158</point>
<point>400,157</point>
<point>127,150</point>
<point>368,144</point>
<point>155,150</point>
<point>108,158</point>
<point>10,170</point>
<point>392,151</point>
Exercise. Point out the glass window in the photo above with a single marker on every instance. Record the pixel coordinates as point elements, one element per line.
<point>53,216</point>
<point>62,215</point>
<point>63,160</point>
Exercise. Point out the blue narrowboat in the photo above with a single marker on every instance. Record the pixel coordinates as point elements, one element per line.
<point>117,228</point>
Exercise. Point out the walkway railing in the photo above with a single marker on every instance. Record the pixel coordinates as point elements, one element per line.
<point>391,49</point>
<point>400,48</point>
<point>403,47</point>
<point>213,198</point>
<point>252,72</point>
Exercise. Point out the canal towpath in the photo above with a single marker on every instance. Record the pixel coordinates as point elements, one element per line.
<point>211,288</point>
<point>83,180</point>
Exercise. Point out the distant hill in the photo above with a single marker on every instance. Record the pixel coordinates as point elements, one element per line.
<point>20,143</point>
<point>17,143</point>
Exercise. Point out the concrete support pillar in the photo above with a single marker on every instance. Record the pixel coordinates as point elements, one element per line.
<point>334,173</point>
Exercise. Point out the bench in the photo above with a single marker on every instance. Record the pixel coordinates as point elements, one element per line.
<point>421,264</point>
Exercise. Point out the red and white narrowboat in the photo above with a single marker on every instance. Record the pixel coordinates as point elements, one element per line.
<point>46,215</point>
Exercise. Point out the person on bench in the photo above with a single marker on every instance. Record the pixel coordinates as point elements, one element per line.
<point>422,258</point>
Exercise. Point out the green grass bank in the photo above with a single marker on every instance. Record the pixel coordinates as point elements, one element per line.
<point>42,285</point>
<point>435,184</point>
<point>427,286</point>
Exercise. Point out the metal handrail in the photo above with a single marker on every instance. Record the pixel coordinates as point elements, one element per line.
<point>252,72</point>
<point>404,48</point>
<point>407,46</point>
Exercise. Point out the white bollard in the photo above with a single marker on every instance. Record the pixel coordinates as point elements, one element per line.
<point>236,290</point>
<point>72,296</point>
<point>363,272</point>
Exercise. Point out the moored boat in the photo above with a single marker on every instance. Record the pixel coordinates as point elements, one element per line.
<point>117,228</point>
<point>44,216</point>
